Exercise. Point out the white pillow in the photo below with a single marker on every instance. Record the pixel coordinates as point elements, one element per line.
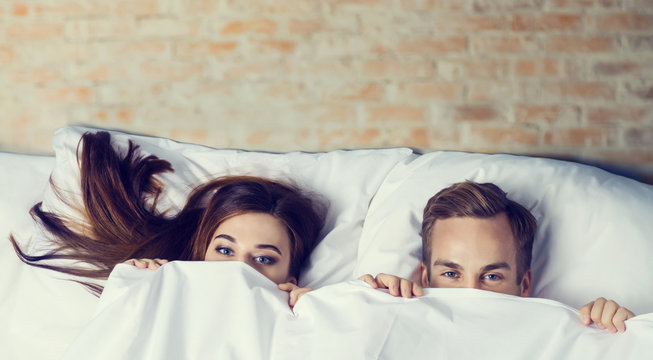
<point>347,180</point>
<point>595,231</point>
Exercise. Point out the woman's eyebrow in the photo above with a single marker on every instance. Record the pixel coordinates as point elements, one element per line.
<point>260,246</point>
<point>271,247</point>
<point>225,236</point>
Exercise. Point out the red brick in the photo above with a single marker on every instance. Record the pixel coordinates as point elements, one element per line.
<point>624,67</point>
<point>546,22</point>
<point>504,44</point>
<point>463,69</point>
<point>305,26</point>
<point>99,28</point>
<point>642,90</point>
<point>503,5</point>
<point>338,46</point>
<point>123,116</point>
<point>170,71</point>
<point>20,10</point>
<point>623,21</point>
<point>581,137</point>
<point>413,137</point>
<point>469,24</point>
<point>253,71</point>
<point>7,53</point>
<point>204,49</point>
<point>282,91</point>
<point>139,8</point>
<point>323,114</point>
<point>580,91</point>
<point>429,91</point>
<point>343,138</point>
<point>434,46</point>
<point>67,8</point>
<point>275,46</point>
<point>547,114</point>
<point>639,137</point>
<point>500,136</point>
<point>396,114</point>
<point>579,44</point>
<point>476,113</point>
<point>37,75</point>
<point>252,26</point>
<point>358,92</point>
<point>121,50</point>
<point>98,73</point>
<point>402,69</point>
<point>195,136</point>
<point>258,7</point>
<point>584,4</point>
<point>543,68</point>
<point>35,31</point>
<point>640,43</point>
<point>203,7</point>
<point>491,91</point>
<point>429,5</point>
<point>621,114</point>
<point>364,4</point>
<point>65,95</point>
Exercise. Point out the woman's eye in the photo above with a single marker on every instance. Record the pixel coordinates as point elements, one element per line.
<point>264,260</point>
<point>224,251</point>
<point>449,274</point>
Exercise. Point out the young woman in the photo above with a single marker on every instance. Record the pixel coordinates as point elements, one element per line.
<point>267,224</point>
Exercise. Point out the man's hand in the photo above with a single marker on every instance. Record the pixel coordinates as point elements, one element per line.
<point>151,264</point>
<point>606,314</point>
<point>294,292</point>
<point>396,285</point>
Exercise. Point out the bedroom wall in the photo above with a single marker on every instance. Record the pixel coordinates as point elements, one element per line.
<point>570,79</point>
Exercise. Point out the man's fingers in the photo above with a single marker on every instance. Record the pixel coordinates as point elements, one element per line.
<point>584,313</point>
<point>369,279</point>
<point>406,288</point>
<point>620,317</point>
<point>597,310</point>
<point>389,282</point>
<point>417,290</point>
<point>609,309</point>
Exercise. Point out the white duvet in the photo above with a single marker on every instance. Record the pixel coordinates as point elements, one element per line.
<point>227,310</point>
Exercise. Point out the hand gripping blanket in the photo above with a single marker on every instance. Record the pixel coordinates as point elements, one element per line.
<point>227,310</point>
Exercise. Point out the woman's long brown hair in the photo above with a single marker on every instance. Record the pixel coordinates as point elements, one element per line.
<point>120,196</point>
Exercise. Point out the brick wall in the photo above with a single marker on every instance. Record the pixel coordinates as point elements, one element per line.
<point>570,79</point>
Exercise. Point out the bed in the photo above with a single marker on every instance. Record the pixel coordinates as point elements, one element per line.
<point>594,239</point>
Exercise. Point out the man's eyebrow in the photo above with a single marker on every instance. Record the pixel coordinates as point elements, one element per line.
<point>447,263</point>
<point>495,266</point>
<point>260,246</point>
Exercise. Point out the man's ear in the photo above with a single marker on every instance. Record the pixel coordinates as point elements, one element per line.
<point>425,275</point>
<point>526,284</point>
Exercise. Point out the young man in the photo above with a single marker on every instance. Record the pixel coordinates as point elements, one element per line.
<point>473,236</point>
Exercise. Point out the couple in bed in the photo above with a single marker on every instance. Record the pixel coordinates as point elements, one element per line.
<point>473,236</point>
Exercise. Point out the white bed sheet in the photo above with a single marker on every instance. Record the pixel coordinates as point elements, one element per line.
<point>194,310</point>
<point>377,197</point>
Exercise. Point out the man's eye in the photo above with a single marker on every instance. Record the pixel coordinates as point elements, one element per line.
<point>224,251</point>
<point>493,277</point>
<point>264,260</point>
<point>449,274</point>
